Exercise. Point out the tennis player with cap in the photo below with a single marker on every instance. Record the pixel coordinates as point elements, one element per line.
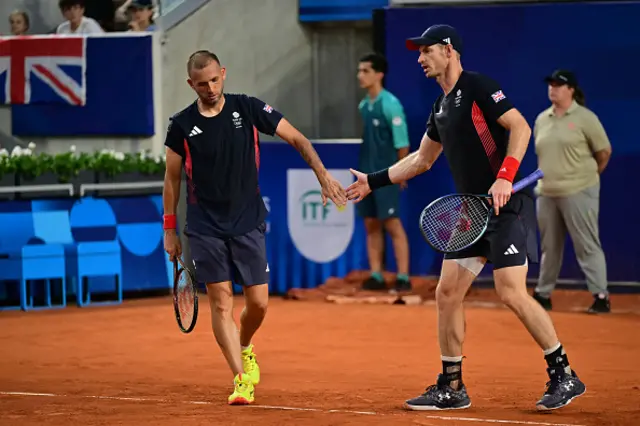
<point>484,139</point>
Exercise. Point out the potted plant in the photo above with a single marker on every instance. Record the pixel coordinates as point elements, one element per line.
<point>32,168</point>
<point>150,167</point>
<point>109,164</point>
<point>23,167</point>
<point>46,169</point>
<point>122,168</point>
<point>74,168</point>
<point>7,169</point>
<point>8,178</point>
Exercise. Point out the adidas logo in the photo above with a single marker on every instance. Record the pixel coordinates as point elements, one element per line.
<point>195,131</point>
<point>511,250</point>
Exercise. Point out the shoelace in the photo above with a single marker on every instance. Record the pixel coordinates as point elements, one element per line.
<point>430,389</point>
<point>553,385</point>
<point>248,363</point>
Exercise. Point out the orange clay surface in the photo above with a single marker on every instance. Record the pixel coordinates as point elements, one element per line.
<point>322,364</point>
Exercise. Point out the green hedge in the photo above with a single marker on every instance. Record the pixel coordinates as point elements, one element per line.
<point>28,164</point>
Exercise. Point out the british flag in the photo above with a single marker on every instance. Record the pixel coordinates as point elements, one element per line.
<point>43,69</point>
<point>498,96</point>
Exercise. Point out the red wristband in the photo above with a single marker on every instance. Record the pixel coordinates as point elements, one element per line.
<point>169,221</point>
<point>509,169</point>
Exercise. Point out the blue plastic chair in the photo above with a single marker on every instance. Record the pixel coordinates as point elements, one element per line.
<point>54,227</point>
<point>17,231</point>
<point>98,259</point>
<point>10,276</point>
<point>42,262</point>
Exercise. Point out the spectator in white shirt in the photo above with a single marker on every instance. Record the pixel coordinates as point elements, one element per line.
<point>77,23</point>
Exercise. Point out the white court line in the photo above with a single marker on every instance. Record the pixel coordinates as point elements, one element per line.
<point>275,407</point>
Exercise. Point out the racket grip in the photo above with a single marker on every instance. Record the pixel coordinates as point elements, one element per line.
<point>522,183</point>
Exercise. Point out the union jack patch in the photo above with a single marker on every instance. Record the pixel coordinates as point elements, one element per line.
<point>268,108</point>
<point>498,96</point>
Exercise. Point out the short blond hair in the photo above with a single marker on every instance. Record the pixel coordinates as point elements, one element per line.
<point>25,17</point>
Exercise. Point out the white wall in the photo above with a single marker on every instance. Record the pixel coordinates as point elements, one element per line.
<point>266,51</point>
<point>308,73</point>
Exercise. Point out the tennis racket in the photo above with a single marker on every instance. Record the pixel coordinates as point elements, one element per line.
<point>457,221</point>
<point>185,296</point>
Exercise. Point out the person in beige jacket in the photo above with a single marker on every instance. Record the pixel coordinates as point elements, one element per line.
<point>573,150</point>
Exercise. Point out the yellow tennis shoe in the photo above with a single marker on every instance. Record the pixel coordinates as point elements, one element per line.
<point>250,365</point>
<point>243,392</point>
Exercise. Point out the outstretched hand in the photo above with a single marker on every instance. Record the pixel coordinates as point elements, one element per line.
<point>333,190</point>
<point>358,189</point>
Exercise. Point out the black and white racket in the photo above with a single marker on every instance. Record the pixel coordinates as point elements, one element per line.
<point>457,221</point>
<point>185,296</point>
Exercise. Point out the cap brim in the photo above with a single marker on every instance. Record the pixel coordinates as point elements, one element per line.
<point>415,43</point>
<point>550,79</point>
<point>135,5</point>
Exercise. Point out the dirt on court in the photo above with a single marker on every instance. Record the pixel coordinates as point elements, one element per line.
<point>348,290</point>
<point>322,364</point>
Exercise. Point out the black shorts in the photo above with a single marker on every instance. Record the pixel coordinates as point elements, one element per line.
<point>511,237</point>
<point>241,259</point>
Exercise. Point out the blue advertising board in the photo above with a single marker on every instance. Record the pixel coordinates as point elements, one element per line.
<point>338,10</point>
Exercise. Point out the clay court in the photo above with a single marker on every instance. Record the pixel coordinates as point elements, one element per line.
<point>322,364</point>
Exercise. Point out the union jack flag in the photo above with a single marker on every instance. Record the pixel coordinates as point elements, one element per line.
<point>45,69</point>
<point>498,96</point>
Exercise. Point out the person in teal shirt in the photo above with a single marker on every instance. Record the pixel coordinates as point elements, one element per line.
<point>385,140</point>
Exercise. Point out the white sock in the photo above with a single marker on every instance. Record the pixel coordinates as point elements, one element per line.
<point>451,358</point>
<point>244,348</point>
<point>552,349</point>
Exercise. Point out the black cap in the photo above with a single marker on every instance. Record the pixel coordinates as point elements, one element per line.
<point>141,4</point>
<point>562,77</point>
<point>436,34</point>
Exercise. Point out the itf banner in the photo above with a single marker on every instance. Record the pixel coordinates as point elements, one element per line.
<point>113,97</point>
<point>320,233</point>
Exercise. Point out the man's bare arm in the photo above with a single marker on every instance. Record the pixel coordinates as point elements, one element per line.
<point>417,162</point>
<point>172,178</point>
<point>519,133</point>
<point>296,139</point>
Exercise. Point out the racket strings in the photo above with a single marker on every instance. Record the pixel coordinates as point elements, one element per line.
<point>453,223</point>
<point>185,298</point>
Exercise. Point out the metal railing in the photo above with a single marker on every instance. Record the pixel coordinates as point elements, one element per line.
<point>83,188</point>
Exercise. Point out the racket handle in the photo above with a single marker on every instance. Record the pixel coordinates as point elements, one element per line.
<point>522,183</point>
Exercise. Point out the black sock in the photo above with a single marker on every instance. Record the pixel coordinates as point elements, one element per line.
<point>557,359</point>
<point>452,371</point>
